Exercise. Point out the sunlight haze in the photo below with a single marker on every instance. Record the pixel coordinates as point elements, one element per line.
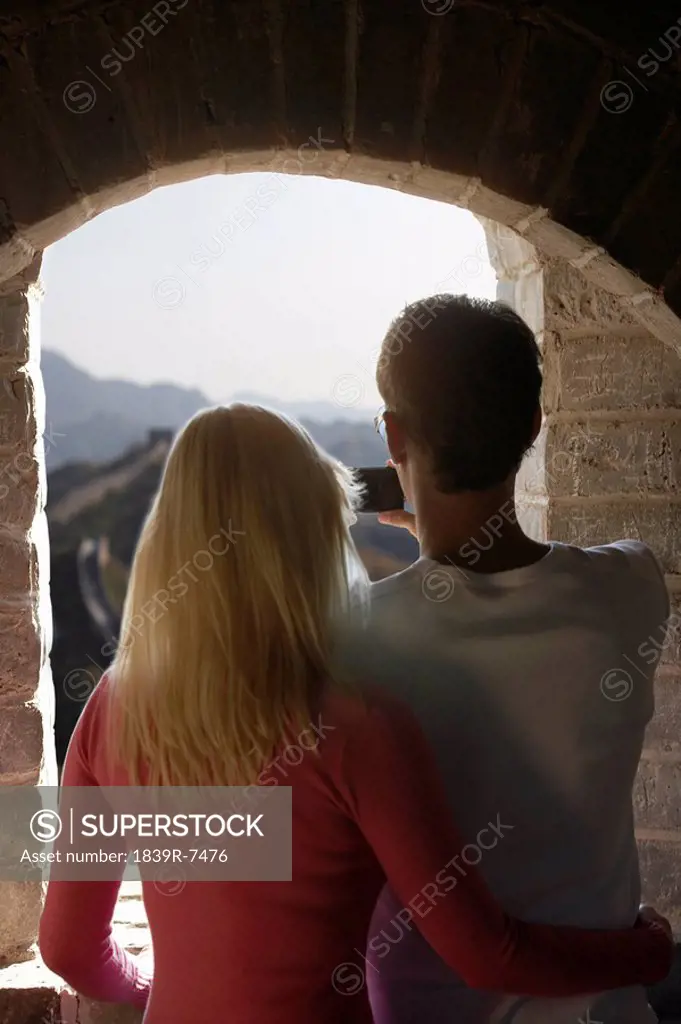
<point>290,300</point>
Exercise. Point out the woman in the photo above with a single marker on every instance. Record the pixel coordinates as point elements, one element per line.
<point>210,691</point>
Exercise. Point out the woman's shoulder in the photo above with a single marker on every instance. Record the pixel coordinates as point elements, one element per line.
<point>363,708</point>
<point>88,743</point>
<point>97,703</point>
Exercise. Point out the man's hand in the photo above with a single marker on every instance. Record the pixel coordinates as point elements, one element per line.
<point>650,917</point>
<point>406,520</point>
<point>398,517</point>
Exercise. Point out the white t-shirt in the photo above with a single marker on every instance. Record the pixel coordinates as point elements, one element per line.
<point>534,687</point>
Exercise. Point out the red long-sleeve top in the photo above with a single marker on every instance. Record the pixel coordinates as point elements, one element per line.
<point>368,806</point>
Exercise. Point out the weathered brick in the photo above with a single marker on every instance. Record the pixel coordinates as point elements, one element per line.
<point>21,744</point>
<point>601,456</point>
<point>554,240</point>
<point>20,907</point>
<point>18,564</point>
<point>656,795</point>
<point>14,324</point>
<point>604,272</point>
<point>32,994</point>
<point>21,642</point>
<point>42,187</point>
<point>91,1012</point>
<point>509,253</point>
<point>527,295</point>
<point>616,368</point>
<point>18,421</point>
<point>661,315</point>
<point>20,490</point>
<point>660,864</point>
<point>596,456</point>
<point>571,302</point>
<point>531,479</point>
<point>22,726</point>
<point>667,645</point>
<point>29,994</point>
<point>84,108</point>
<point>611,372</point>
<point>20,283</point>
<point>664,731</point>
<point>657,523</point>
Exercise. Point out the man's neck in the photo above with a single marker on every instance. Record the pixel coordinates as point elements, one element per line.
<point>477,530</point>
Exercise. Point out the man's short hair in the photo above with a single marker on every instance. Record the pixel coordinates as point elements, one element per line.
<point>463,377</point>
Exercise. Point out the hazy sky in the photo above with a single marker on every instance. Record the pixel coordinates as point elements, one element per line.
<point>278,284</point>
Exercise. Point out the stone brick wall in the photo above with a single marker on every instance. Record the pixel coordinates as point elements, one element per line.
<point>607,467</point>
<point>383,84</point>
<point>604,467</point>
<point>26,694</point>
<point>532,101</point>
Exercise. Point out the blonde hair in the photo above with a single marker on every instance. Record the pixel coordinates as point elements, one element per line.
<point>243,563</point>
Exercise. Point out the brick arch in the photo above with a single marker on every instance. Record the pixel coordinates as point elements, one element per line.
<point>497,107</point>
<point>543,116</point>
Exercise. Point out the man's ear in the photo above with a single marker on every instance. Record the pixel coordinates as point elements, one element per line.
<point>396,438</point>
<point>536,424</point>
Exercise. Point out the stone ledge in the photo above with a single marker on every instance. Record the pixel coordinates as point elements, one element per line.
<point>32,994</point>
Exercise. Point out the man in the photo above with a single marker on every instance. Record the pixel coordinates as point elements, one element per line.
<point>530,666</point>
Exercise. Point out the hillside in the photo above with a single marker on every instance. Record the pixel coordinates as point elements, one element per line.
<point>92,420</point>
<point>96,420</point>
<point>111,499</point>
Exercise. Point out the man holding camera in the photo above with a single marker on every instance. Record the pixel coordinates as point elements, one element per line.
<point>522,660</point>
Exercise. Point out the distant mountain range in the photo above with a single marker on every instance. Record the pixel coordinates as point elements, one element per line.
<point>93,420</point>
<point>311,411</point>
